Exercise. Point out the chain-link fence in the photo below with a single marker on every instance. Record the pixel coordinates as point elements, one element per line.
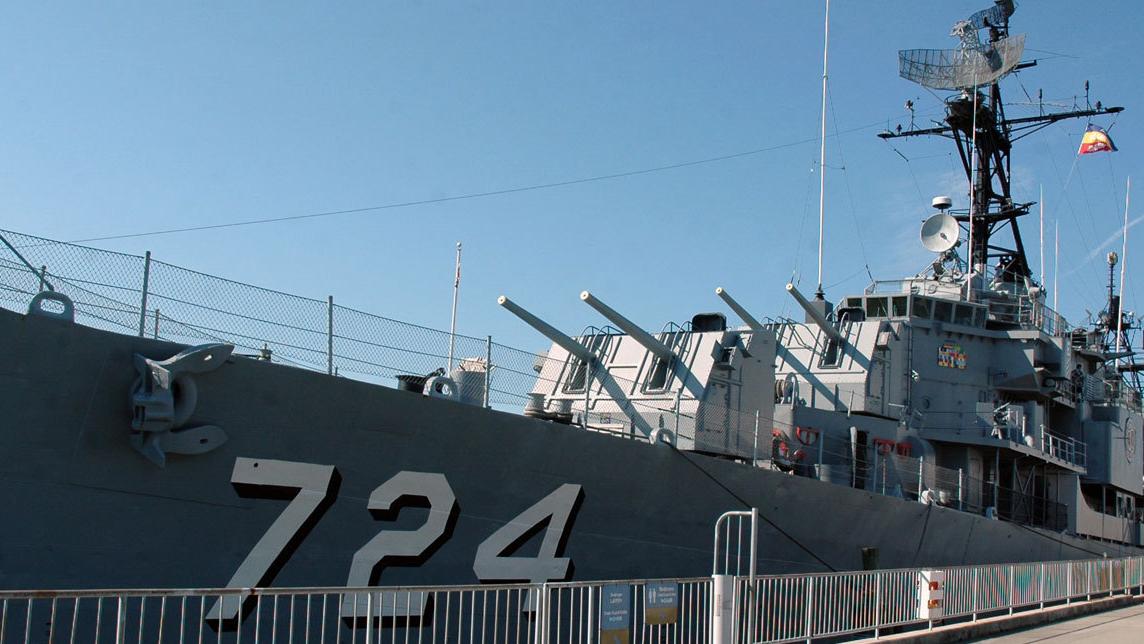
<point>141,295</point>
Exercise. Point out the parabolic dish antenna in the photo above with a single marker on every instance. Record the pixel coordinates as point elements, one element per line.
<point>940,233</point>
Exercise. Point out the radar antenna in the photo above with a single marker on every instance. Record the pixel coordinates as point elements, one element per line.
<point>973,63</point>
<point>973,70</point>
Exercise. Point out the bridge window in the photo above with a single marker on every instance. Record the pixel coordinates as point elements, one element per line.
<point>899,306</point>
<point>921,308</point>
<point>876,307</point>
<point>963,314</point>
<point>943,311</point>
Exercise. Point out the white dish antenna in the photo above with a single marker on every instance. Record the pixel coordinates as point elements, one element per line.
<point>940,233</point>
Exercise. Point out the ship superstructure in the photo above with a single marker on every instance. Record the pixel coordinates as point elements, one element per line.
<point>957,386</point>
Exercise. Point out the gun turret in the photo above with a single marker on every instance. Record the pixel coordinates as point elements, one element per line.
<point>816,315</point>
<point>549,331</point>
<point>739,310</point>
<point>626,325</point>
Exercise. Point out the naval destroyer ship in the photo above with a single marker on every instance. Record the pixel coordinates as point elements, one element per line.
<point>951,417</point>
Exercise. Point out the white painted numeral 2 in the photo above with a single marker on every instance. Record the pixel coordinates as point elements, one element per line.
<point>435,489</point>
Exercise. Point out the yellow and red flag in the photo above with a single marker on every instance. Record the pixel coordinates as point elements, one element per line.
<point>1095,140</point>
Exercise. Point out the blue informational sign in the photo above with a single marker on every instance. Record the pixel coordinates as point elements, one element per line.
<point>661,603</point>
<point>615,614</point>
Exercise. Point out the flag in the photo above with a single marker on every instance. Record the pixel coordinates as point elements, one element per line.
<point>1095,140</point>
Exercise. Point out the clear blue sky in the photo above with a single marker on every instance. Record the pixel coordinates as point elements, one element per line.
<point>123,117</point>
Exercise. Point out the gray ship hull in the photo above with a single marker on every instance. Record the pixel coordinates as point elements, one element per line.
<point>83,509</point>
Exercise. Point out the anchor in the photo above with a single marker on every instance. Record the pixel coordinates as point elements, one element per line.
<point>163,399</point>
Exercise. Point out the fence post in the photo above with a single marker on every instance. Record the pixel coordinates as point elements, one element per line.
<point>874,483</point>
<point>1068,583</point>
<point>541,612</point>
<point>330,335</point>
<point>156,323</point>
<point>1041,586</point>
<point>960,489</point>
<point>809,609</point>
<point>368,617</point>
<point>146,285</point>
<point>488,370</point>
<point>973,607</point>
<point>120,621</point>
<point>592,612</point>
<point>722,609</point>
<point>821,447</point>
<point>877,604</point>
<point>754,445</point>
<point>588,394</point>
<point>1012,585</point>
<point>921,474</point>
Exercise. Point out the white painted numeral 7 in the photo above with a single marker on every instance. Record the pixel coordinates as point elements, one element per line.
<point>493,561</point>
<point>419,543</point>
<point>261,477</point>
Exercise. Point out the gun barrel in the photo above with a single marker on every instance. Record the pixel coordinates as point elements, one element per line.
<point>549,331</point>
<point>739,310</point>
<point>815,315</point>
<point>626,325</point>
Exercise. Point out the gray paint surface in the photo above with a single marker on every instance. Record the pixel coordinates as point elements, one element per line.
<point>84,509</point>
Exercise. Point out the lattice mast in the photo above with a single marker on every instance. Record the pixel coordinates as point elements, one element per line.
<point>974,70</point>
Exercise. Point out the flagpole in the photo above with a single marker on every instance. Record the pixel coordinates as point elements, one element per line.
<point>822,153</point>
<point>1056,265</point>
<point>1123,267</point>
<point>453,322</point>
<point>1042,203</point>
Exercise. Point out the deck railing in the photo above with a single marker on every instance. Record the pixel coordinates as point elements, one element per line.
<point>774,608</point>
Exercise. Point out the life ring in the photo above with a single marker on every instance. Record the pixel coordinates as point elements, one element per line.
<point>903,448</point>
<point>807,436</point>
<point>883,446</point>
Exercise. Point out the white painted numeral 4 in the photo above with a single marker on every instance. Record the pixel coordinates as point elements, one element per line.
<point>419,543</point>
<point>264,477</point>
<point>494,561</point>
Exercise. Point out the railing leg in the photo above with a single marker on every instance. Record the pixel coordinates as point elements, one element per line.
<point>810,610</point>
<point>489,372</point>
<point>974,607</point>
<point>722,608</point>
<point>1041,587</point>
<point>1012,586</point>
<point>146,286</point>
<point>877,606</point>
<point>120,621</point>
<point>330,335</point>
<point>960,489</point>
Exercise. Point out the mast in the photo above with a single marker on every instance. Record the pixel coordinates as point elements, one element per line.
<point>819,294</point>
<point>976,122</point>
<point>1123,267</point>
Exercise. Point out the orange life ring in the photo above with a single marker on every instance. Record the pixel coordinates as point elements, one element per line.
<point>806,436</point>
<point>883,445</point>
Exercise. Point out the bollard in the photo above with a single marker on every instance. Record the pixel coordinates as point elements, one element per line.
<point>722,609</point>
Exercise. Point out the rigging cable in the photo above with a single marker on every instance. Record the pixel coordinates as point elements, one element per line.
<point>849,192</point>
<point>480,195</point>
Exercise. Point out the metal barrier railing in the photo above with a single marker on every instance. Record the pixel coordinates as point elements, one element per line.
<point>774,608</point>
